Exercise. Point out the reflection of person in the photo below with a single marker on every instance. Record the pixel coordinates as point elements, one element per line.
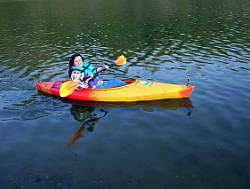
<point>86,74</point>
<point>88,117</point>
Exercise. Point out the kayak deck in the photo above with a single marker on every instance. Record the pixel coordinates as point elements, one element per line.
<point>135,90</point>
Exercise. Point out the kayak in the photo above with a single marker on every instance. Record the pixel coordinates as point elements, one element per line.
<point>135,90</point>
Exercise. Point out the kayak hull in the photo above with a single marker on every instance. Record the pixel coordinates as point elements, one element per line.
<point>135,90</point>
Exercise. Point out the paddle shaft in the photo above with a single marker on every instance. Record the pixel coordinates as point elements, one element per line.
<point>121,60</point>
<point>97,73</point>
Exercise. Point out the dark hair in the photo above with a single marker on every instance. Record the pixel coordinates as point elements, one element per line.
<point>71,61</point>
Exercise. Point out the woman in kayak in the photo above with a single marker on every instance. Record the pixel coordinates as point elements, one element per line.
<point>80,70</point>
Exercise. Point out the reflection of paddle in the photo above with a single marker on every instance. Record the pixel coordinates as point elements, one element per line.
<point>78,135</point>
<point>69,87</point>
<point>88,123</point>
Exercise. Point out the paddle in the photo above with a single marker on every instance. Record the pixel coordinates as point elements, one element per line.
<point>69,87</point>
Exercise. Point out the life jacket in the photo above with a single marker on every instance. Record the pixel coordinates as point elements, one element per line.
<point>87,69</point>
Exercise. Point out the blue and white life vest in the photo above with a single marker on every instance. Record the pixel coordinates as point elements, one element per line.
<point>87,69</point>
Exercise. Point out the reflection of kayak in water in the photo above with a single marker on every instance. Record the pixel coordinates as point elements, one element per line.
<point>135,90</point>
<point>170,104</point>
<point>88,113</point>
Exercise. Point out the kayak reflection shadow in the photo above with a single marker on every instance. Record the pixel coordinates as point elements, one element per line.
<point>89,112</point>
<point>170,104</point>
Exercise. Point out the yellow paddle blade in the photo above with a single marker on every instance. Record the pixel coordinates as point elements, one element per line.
<point>67,88</point>
<point>121,60</point>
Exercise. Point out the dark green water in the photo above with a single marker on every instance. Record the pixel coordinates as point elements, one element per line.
<point>201,142</point>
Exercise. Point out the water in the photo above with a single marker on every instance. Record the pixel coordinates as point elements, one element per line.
<point>202,142</point>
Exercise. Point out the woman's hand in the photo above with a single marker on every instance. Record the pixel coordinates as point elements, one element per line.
<point>105,67</point>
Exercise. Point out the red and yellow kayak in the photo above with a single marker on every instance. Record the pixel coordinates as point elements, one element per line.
<point>135,90</point>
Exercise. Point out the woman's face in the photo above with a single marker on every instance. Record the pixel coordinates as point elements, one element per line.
<point>78,61</point>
